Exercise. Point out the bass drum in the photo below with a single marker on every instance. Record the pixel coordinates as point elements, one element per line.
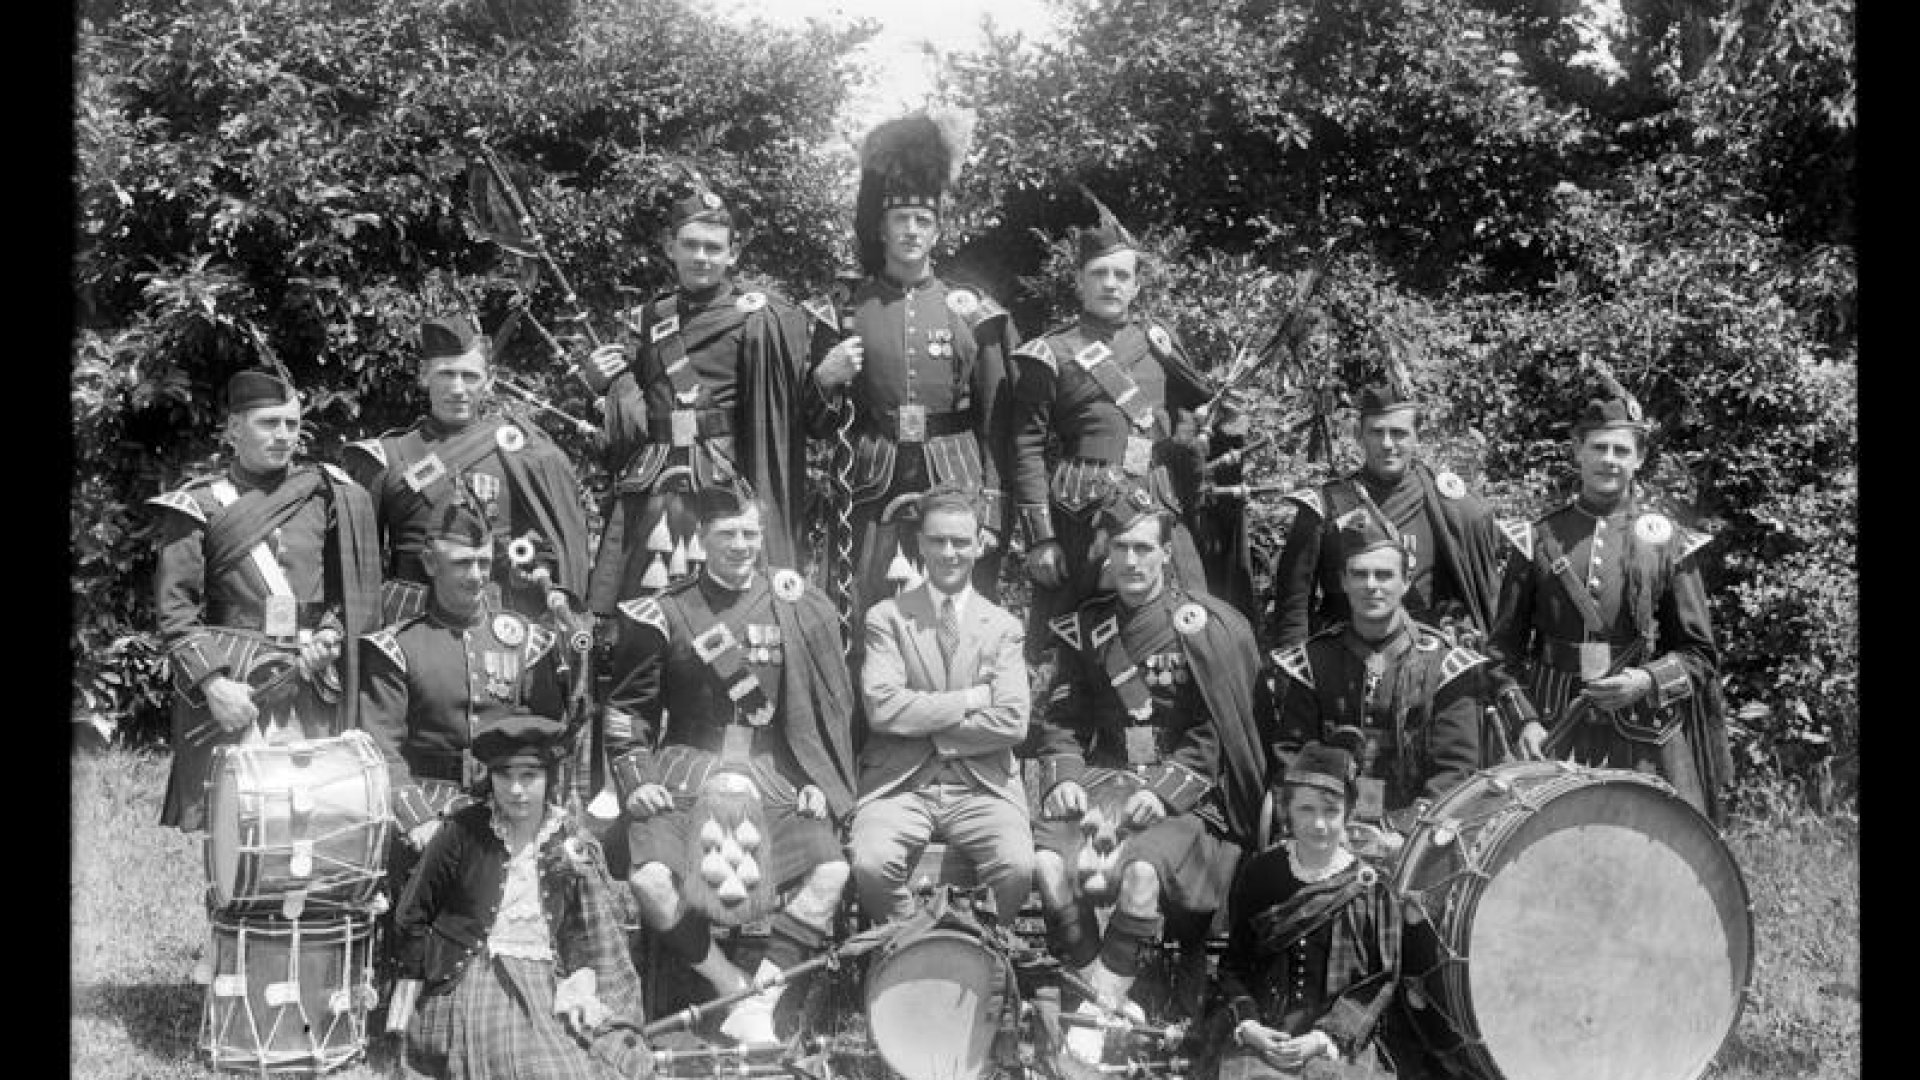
<point>297,825</point>
<point>1580,924</point>
<point>934,1004</point>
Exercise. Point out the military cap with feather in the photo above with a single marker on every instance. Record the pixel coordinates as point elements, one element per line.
<point>698,200</point>
<point>255,389</point>
<point>449,335</point>
<point>460,522</point>
<point>1125,507</point>
<point>1616,408</point>
<point>909,161</point>
<point>1103,239</point>
<point>1384,398</point>
<point>1361,530</point>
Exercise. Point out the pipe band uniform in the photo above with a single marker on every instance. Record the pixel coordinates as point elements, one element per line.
<point>519,480</point>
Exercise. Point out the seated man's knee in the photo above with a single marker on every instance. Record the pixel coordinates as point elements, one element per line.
<point>1140,886</point>
<point>1050,877</point>
<point>653,884</point>
<point>820,894</point>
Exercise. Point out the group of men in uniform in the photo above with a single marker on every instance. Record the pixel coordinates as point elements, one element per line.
<point>751,724</point>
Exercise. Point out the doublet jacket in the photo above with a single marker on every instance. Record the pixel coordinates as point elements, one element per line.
<point>938,349</point>
<point>776,650</point>
<point>1420,709</point>
<point>1060,397</point>
<point>432,682</point>
<point>512,472</point>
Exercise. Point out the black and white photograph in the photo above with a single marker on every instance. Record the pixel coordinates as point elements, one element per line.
<point>981,540</point>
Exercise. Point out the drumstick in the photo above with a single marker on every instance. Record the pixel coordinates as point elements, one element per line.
<point>857,945</point>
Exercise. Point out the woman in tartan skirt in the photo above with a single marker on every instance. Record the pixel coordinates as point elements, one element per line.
<point>508,937</point>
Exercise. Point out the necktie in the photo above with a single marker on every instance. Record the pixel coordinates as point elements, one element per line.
<point>949,632</point>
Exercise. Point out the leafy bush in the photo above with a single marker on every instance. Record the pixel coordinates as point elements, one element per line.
<point>286,179</point>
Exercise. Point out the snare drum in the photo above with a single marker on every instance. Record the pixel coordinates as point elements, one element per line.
<point>297,825</point>
<point>934,1004</point>
<point>288,995</point>
<point>1581,924</point>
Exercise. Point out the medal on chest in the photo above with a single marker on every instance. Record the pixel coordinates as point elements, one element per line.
<point>486,488</point>
<point>503,672</point>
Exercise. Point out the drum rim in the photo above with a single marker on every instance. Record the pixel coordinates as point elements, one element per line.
<point>1508,822</point>
<point>941,934</point>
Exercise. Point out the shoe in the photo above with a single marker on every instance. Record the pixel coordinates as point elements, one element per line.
<point>751,1021</point>
<point>1087,1043</point>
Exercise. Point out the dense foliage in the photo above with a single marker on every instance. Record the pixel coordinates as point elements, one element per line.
<point>1521,193</point>
<point>1518,191</point>
<point>286,178</point>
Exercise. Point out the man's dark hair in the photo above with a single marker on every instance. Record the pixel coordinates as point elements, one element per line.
<point>946,499</point>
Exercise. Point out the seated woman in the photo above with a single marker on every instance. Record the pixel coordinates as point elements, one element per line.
<point>1313,946</point>
<point>507,935</point>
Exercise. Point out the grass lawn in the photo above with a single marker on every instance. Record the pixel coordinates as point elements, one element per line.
<point>137,921</point>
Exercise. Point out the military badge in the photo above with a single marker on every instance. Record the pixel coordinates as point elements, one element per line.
<point>509,630</point>
<point>424,473</point>
<point>1161,341</point>
<point>1190,618</point>
<point>666,327</point>
<point>635,318</point>
<point>1366,876</point>
<point>963,302</point>
<point>1653,528</point>
<point>521,550</point>
<point>1449,485</point>
<point>751,301</point>
<point>510,438</point>
<point>788,585</point>
<point>485,487</point>
<point>710,200</point>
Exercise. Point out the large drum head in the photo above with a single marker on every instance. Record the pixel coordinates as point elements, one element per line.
<point>1613,940</point>
<point>931,1007</point>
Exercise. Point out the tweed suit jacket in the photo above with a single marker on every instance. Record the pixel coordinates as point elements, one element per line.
<point>918,709</point>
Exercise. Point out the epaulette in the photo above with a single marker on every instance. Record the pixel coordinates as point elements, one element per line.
<point>1519,534</point>
<point>1458,660</point>
<point>1038,349</point>
<point>789,586</point>
<point>1066,628</point>
<point>1690,541</point>
<point>646,611</point>
<point>179,500</point>
<point>370,447</point>
<point>335,473</point>
<point>822,312</point>
<point>539,641</point>
<point>1310,499</point>
<point>1293,661</point>
<point>389,643</point>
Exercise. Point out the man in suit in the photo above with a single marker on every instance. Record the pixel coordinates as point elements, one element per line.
<point>944,682</point>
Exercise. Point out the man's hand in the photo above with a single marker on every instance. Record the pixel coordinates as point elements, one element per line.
<point>1067,800</point>
<point>420,834</point>
<point>1289,1053</point>
<point>1260,1039</point>
<point>840,365</point>
<point>810,803</point>
<point>231,702</point>
<point>1047,564</point>
<point>1143,809</point>
<point>603,366</point>
<point>1619,691</point>
<point>318,653</point>
<point>648,800</point>
<point>1532,742</point>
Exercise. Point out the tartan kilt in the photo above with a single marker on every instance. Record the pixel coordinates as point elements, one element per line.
<point>1195,863</point>
<point>497,1023</point>
<point>797,846</point>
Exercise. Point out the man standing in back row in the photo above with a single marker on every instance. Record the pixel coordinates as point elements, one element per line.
<point>923,364</point>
